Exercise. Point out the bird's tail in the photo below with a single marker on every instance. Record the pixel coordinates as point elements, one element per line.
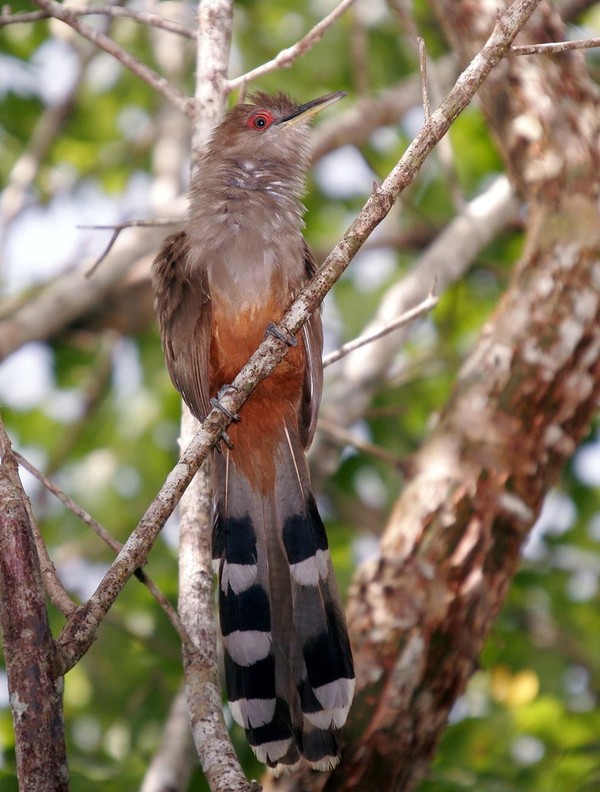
<point>288,663</point>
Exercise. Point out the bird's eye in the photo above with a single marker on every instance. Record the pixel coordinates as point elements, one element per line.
<point>260,120</point>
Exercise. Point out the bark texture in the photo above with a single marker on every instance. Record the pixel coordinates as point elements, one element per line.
<point>523,401</point>
<point>34,683</point>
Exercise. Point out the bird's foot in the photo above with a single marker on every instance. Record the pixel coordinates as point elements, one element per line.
<point>227,389</point>
<point>217,405</point>
<point>215,402</point>
<point>282,335</point>
<point>224,439</point>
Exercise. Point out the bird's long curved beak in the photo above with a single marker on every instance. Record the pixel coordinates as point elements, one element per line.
<point>306,111</point>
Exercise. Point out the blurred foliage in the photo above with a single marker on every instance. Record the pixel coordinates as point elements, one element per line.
<point>105,422</point>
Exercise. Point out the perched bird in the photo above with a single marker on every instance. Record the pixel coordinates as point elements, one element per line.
<point>219,284</point>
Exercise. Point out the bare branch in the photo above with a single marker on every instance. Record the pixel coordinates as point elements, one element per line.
<point>555,47</point>
<point>145,17</point>
<point>58,594</point>
<point>69,503</point>
<point>355,124</point>
<point>287,56</point>
<point>25,169</point>
<point>29,650</point>
<point>423,73</point>
<point>343,437</point>
<point>419,310</point>
<point>101,40</point>
<point>116,229</point>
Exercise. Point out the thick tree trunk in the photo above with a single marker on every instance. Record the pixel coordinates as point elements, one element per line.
<point>523,401</point>
<point>34,683</point>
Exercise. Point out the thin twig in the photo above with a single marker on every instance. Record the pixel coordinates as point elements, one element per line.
<point>145,17</point>
<point>555,47</point>
<point>25,170</point>
<point>145,73</point>
<point>431,92</point>
<point>106,537</point>
<point>58,594</point>
<point>286,57</point>
<point>166,606</point>
<point>342,436</point>
<point>70,504</point>
<point>409,316</point>
<point>116,229</point>
<point>423,73</point>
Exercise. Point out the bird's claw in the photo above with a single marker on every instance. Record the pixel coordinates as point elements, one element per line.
<point>227,413</point>
<point>224,389</point>
<point>225,439</point>
<point>282,335</point>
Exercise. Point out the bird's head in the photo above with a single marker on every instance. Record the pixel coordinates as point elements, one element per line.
<point>270,127</point>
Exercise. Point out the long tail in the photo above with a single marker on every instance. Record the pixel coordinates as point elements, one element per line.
<point>288,664</point>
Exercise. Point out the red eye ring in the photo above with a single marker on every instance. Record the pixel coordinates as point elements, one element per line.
<point>260,120</point>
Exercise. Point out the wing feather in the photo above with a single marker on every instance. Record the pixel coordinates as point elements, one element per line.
<point>182,301</point>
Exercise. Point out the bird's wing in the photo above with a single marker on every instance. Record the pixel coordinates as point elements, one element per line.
<point>312,335</point>
<point>182,301</point>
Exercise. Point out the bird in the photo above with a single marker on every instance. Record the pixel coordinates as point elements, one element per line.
<point>220,283</point>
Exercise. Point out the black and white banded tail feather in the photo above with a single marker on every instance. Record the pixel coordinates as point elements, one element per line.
<point>288,664</point>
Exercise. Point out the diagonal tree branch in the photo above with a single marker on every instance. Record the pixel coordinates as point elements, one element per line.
<point>351,391</point>
<point>57,593</point>
<point>285,58</point>
<point>409,316</point>
<point>101,40</point>
<point>355,124</point>
<point>145,17</point>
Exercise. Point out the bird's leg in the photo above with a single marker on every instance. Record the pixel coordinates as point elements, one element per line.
<point>282,335</point>
<point>214,402</point>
